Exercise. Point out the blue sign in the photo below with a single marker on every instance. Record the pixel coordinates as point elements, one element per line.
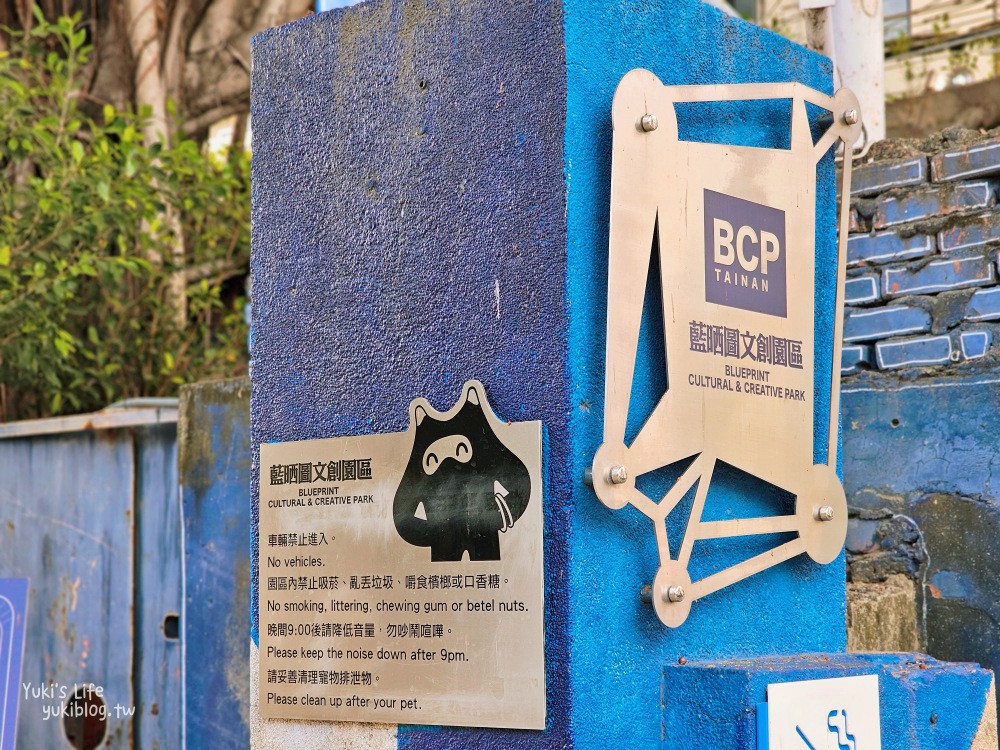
<point>13,610</point>
<point>744,255</point>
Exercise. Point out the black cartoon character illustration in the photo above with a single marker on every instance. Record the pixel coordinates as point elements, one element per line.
<point>462,487</point>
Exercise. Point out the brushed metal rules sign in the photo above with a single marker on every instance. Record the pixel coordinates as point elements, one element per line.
<point>401,574</point>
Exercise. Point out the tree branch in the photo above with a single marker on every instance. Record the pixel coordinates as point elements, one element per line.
<point>174,48</point>
<point>221,269</point>
<point>205,120</point>
<point>144,37</point>
<point>276,12</point>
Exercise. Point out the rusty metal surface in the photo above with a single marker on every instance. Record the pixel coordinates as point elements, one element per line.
<point>157,677</point>
<point>214,451</point>
<point>103,420</point>
<point>86,515</point>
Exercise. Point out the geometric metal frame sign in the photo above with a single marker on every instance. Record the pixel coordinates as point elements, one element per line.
<point>736,240</point>
<point>401,574</point>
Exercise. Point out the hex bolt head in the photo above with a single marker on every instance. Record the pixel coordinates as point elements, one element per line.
<point>674,594</point>
<point>618,475</point>
<point>825,513</point>
<point>649,123</point>
<point>851,117</point>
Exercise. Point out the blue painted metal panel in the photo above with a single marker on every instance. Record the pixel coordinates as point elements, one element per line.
<point>763,738</point>
<point>67,512</point>
<point>158,590</point>
<point>215,478</point>
<point>91,517</point>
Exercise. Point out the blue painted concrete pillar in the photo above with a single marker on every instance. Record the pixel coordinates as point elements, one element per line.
<point>430,205</point>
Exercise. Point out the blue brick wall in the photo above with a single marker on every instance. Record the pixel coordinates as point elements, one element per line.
<point>920,387</point>
<point>937,201</point>
<point>922,287</point>
<point>882,322</point>
<point>876,177</point>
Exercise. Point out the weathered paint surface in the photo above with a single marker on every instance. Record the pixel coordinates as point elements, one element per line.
<point>796,607</point>
<point>90,517</point>
<point>214,453</point>
<point>924,704</point>
<point>928,450</point>
<point>430,204</point>
<point>157,654</point>
<point>409,234</point>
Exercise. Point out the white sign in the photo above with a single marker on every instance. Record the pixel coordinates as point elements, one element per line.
<point>837,714</point>
<point>401,574</point>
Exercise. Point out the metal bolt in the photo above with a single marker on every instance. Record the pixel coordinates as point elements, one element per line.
<point>851,117</point>
<point>649,123</point>
<point>646,594</point>
<point>588,477</point>
<point>825,513</point>
<point>618,475</point>
<point>675,594</point>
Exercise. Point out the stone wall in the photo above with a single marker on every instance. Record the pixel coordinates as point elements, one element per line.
<point>920,397</point>
<point>922,255</point>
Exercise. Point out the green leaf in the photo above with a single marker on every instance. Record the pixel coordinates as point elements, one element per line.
<point>4,255</point>
<point>65,347</point>
<point>77,149</point>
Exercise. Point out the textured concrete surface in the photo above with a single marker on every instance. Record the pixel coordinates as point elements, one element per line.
<point>408,235</point>
<point>924,704</point>
<point>430,204</point>
<point>792,608</point>
<point>927,452</point>
<point>882,617</point>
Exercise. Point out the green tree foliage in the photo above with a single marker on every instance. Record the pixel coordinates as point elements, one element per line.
<point>84,258</point>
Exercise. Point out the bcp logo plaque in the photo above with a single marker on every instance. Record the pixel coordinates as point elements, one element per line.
<point>745,255</point>
<point>745,371</point>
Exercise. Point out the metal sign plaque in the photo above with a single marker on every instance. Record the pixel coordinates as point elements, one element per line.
<point>734,227</point>
<point>401,574</point>
<point>833,714</point>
